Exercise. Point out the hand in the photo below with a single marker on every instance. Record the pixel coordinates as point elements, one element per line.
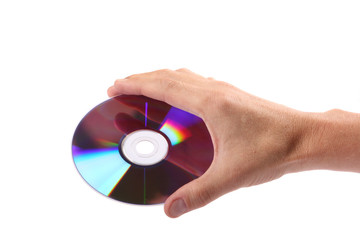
<point>255,141</point>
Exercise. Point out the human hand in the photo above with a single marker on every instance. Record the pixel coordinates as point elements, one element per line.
<point>255,141</point>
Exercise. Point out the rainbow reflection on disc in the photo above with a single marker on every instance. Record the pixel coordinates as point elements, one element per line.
<point>98,157</point>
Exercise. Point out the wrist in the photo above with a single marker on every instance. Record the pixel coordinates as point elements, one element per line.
<point>329,140</point>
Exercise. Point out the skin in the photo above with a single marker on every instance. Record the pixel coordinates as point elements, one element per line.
<point>255,141</point>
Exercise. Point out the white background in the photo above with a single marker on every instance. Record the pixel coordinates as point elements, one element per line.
<point>57,59</point>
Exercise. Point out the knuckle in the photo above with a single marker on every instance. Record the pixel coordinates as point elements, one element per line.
<point>133,76</point>
<point>183,70</point>
<point>164,71</point>
<point>334,111</point>
<point>117,81</point>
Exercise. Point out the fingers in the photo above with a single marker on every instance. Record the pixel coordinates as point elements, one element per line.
<point>193,195</point>
<point>169,86</point>
<point>156,114</point>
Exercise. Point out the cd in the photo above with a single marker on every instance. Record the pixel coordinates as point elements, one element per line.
<point>109,142</point>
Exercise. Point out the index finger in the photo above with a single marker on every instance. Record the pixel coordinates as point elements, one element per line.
<point>163,85</point>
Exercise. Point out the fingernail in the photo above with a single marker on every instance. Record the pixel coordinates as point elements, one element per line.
<point>177,208</point>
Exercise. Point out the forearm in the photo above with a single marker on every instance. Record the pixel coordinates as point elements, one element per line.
<point>331,141</point>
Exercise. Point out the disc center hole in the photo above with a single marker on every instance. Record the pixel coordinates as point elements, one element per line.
<point>144,147</point>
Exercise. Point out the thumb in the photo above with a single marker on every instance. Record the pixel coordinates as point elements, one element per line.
<point>193,195</point>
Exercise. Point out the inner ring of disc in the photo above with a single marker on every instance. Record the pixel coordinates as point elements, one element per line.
<point>131,147</point>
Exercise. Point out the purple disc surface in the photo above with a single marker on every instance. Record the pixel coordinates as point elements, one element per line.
<point>97,155</point>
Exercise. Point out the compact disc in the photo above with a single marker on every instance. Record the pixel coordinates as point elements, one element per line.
<point>139,150</point>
